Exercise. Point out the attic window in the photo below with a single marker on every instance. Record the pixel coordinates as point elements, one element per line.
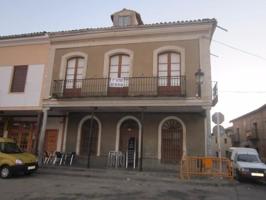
<point>123,20</point>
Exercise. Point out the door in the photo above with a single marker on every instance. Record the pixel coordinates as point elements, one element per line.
<point>128,143</point>
<point>85,136</point>
<point>171,142</point>
<point>50,144</point>
<point>119,75</point>
<point>169,71</point>
<point>74,77</point>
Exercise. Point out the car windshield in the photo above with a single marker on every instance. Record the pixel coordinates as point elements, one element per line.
<point>247,158</point>
<point>9,147</point>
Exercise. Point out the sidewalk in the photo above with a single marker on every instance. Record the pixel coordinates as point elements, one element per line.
<point>124,174</point>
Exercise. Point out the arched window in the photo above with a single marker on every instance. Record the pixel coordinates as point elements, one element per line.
<point>169,72</point>
<point>119,68</point>
<point>74,75</point>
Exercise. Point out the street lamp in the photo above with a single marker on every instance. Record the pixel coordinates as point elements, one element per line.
<point>199,79</point>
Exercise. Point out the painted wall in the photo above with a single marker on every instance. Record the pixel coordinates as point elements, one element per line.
<point>32,93</point>
<point>36,57</point>
<point>142,64</point>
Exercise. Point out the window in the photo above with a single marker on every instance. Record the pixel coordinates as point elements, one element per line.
<point>119,67</point>
<point>225,140</point>
<point>74,72</point>
<point>216,140</point>
<point>19,78</point>
<point>123,20</point>
<point>169,69</point>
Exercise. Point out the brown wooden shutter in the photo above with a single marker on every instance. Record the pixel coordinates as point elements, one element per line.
<point>19,78</point>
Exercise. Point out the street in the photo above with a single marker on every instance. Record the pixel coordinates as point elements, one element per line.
<point>114,184</point>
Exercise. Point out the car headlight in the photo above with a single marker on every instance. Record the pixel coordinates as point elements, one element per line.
<point>18,162</point>
<point>244,169</point>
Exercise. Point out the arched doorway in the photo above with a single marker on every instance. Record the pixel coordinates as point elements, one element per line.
<point>129,140</point>
<point>85,135</point>
<point>171,141</point>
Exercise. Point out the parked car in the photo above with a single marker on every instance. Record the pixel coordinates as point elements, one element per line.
<point>13,160</point>
<point>247,164</point>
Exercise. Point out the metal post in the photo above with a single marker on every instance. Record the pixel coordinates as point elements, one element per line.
<point>141,141</point>
<point>42,137</point>
<point>90,137</point>
<point>219,146</point>
<point>37,131</point>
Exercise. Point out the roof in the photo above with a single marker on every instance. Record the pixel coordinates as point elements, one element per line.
<point>112,28</point>
<point>24,35</point>
<point>250,113</point>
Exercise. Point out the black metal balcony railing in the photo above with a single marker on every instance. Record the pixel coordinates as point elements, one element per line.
<point>120,87</point>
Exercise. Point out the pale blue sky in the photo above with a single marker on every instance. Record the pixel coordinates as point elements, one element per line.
<point>235,71</point>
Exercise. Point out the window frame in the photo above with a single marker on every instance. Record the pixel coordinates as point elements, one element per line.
<point>169,69</point>
<point>124,20</point>
<point>13,89</point>
<point>75,80</point>
<point>119,71</point>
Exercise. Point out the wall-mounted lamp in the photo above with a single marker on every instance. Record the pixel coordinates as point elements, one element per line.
<point>199,79</point>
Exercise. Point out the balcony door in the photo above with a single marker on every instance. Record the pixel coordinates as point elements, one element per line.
<point>119,75</point>
<point>74,76</point>
<point>169,73</point>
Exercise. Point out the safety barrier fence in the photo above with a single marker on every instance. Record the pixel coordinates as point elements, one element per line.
<point>192,166</point>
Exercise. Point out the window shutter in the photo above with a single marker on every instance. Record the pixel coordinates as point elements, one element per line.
<point>19,78</point>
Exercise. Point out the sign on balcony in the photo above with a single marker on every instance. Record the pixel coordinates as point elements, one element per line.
<point>118,82</point>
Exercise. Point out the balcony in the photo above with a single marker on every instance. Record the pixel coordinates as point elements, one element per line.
<point>120,87</point>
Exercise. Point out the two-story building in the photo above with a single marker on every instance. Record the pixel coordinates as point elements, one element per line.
<point>141,89</point>
<point>250,130</point>
<point>23,74</point>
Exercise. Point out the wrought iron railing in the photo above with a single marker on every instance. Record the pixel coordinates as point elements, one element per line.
<point>124,87</point>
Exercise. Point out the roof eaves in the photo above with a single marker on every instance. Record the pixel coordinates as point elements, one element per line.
<point>249,113</point>
<point>113,28</point>
<point>24,35</point>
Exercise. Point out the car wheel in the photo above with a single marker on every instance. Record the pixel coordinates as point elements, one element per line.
<point>5,172</point>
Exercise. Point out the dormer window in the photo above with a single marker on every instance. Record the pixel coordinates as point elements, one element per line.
<point>123,20</point>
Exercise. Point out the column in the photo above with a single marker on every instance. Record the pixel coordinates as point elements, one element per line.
<point>141,141</point>
<point>208,150</point>
<point>5,135</point>
<point>42,136</point>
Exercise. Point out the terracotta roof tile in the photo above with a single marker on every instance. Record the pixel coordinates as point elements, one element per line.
<point>24,35</point>
<point>112,28</point>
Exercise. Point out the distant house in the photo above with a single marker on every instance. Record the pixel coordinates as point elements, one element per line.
<point>250,130</point>
<point>225,141</point>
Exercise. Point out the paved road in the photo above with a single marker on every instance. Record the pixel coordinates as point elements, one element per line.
<point>101,185</point>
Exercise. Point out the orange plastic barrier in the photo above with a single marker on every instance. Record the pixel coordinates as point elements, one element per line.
<point>205,166</point>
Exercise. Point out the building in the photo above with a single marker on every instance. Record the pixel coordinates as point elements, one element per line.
<point>250,130</point>
<point>144,90</point>
<point>23,62</point>
<point>225,143</point>
<point>132,88</point>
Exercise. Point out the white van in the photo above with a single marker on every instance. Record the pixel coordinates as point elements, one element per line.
<point>247,164</point>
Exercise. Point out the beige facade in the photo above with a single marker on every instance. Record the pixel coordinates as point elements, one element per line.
<point>136,81</point>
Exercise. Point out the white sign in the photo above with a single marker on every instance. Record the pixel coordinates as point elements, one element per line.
<point>215,130</point>
<point>117,82</point>
<point>218,118</point>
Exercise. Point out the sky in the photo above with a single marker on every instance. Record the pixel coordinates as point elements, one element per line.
<point>241,76</point>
